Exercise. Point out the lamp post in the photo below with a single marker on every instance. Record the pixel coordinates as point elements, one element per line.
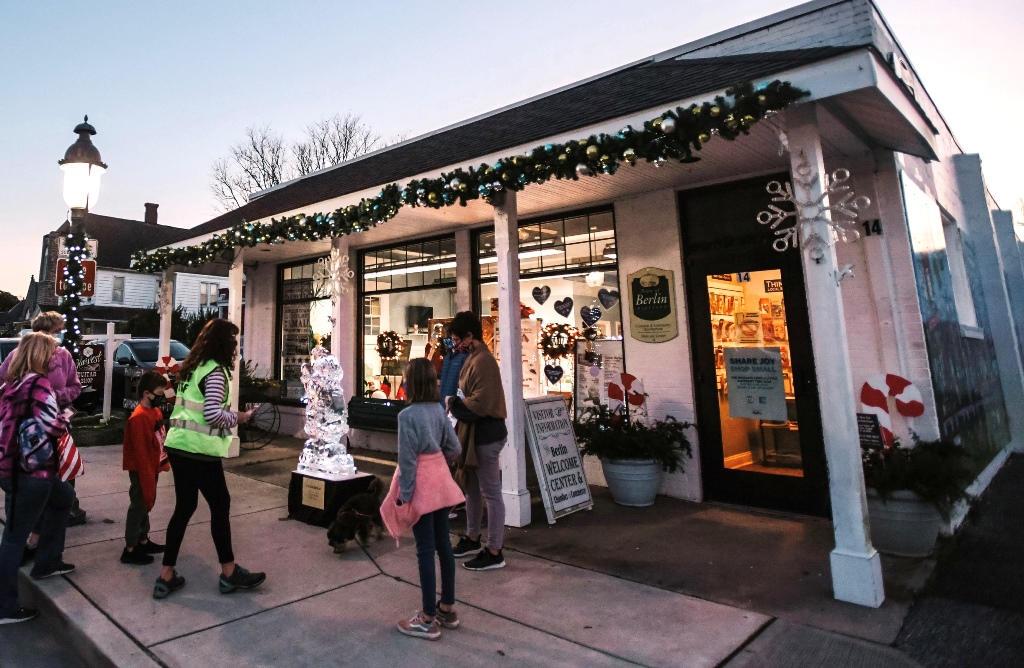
<point>82,169</point>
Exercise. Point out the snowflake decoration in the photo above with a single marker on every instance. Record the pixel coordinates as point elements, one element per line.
<point>336,272</point>
<point>843,206</point>
<point>166,296</point>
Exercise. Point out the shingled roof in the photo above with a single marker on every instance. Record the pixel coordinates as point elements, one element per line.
<point>615,94</point>
<point>118,238</point>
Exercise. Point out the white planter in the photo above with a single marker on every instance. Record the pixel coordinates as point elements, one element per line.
<point>632,482</point>
<point>904,525</point>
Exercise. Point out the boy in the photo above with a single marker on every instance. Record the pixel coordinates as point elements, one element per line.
<point>142,454</point>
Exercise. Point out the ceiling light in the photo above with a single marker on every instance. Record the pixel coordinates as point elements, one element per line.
<point>525,254</point>
<point>410,270</point>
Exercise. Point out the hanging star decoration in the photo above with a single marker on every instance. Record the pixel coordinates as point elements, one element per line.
<point>840,214</point>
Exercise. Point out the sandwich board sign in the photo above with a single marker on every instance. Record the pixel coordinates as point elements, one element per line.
<point>556,457</point>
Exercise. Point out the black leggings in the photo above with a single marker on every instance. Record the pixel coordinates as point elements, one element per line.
<point>192,476</point>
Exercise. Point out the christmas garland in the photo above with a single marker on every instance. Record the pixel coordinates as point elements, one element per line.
<point>77,245</point>
<point>557,340</point>
<point>674,135</point>
<point>389,345</point>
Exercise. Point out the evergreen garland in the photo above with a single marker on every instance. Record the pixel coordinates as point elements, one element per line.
<point>77,244</point>
<point>674,135</point>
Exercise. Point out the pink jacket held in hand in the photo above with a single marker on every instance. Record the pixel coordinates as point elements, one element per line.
<point>435,490</point>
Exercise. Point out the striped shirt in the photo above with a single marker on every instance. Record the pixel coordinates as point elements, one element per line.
<point>213,391</point>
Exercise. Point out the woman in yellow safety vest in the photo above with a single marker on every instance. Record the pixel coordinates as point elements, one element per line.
<point>197,441</point>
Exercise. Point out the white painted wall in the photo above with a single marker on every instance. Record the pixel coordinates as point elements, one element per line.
<point>186,289</point>
<point>139,289</point>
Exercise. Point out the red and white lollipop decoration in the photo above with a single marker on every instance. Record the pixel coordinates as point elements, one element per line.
<point>166,366</point>
<point>874,398</point>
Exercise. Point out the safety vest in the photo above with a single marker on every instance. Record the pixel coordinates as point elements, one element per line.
<point>189,431</point>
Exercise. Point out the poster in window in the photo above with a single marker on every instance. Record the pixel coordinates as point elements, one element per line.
<point>652,305</point>
<point>755,383</point>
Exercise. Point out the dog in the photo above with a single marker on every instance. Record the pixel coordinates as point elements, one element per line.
<point>360,516</point>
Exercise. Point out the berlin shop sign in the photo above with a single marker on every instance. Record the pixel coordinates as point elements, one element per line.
<point>652,304</point>
<point>89,279</point>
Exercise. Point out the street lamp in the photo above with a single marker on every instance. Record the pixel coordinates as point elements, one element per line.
<point>82,169</point>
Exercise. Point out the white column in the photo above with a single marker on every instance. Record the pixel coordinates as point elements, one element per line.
<point>513,458</point>
<point>108,370</point>
<point>464,270</point>
<point>345,332</point>
<point>982,237</point>
<point>856,566</point>
<point>166,308</point>
<point>235,283</point>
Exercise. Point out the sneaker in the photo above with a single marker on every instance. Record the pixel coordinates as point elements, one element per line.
<point>77,519</point>
<point>449,620</point>
<point>163,588</point>
<point>465,547</point>
<point>149,547</point>
<point>241,579</point>
<point>19,615</point>
<point>485,561</point>
<point>60,569</point>
<point>420,628</point>
<point>29,554</point>
<point>137,556</point>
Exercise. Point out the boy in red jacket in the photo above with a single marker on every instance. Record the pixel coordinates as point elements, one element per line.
<point>143,459</point>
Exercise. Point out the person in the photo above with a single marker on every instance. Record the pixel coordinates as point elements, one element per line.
<point>480,410</point>
<point>142,457</point>
<point>32,486</point>
<point>63,377</point>
<point>451,365</point>
<point>374,392</point>
<point>421,493</point>
<point>197,441</point>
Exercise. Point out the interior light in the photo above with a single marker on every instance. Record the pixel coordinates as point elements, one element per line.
<point>525,254</point>
<point>410,270</point>
<point>610,252</point>
<point>595,278</point>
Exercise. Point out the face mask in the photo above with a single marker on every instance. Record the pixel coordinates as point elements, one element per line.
<point>158,401</point>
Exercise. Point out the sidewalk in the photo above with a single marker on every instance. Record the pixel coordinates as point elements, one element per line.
<point>318,608</point>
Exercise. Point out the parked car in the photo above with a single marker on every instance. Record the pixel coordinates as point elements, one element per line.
<point>132,358</point>
<point>87,401</point>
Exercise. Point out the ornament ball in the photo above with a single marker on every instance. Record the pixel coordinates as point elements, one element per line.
<point>582,169</point>
<point>668,126</point>
<point>592,152</point>
<point>630,155</point>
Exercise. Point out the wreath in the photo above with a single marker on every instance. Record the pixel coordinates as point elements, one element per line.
<point>557,340</point>
<point>389,345</point>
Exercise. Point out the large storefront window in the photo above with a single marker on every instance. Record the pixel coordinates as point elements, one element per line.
<point>304,309</point>
<point>408,290</point>
<point>568,271</point>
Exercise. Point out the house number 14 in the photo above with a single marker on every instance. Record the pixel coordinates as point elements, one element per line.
<point>872,227</point>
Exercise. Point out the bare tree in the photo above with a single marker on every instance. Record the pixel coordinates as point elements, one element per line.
<point>264,159</point>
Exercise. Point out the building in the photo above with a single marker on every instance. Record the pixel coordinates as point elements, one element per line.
<point>684,263</point>
<point>120,290</point>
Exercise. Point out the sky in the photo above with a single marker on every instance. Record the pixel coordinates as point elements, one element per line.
<point>170,86</point>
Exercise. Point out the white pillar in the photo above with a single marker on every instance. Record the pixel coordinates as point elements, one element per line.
<point>166,309</point>
<point>982,237</point>
<point>1009,253</point>
<point>856,566</point>
<point>235,275</point>
<point>346,330</point>
<point>464,270</point>
<point>108,370</point>
<point>513,458</point>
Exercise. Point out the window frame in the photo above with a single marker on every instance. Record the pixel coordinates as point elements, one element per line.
<point>114,290</point>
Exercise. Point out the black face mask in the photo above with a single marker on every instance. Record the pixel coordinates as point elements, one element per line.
<point>158,401</point>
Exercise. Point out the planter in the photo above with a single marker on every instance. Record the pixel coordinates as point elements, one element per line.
<point>904,525</point>
<point>632,482</point>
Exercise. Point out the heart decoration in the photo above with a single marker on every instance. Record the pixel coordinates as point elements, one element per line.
<point>541,294</point>
<point>590,315</point>
<point>554,373</point>
<point>607,297</point>
<point>563,307</point>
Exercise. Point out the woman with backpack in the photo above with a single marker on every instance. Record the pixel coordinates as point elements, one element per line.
<point>31,423</point>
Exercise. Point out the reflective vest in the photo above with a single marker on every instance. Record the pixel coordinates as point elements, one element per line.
<point>189,431</point>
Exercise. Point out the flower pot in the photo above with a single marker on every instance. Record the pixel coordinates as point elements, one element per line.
<point>632,482</point>
<point>904,525</point>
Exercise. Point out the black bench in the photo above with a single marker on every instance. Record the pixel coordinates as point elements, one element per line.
<point>374,414</point>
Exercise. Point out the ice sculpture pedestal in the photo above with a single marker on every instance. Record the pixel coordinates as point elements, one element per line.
<point>315,500</point>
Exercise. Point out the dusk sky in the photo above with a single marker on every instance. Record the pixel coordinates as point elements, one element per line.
<point>170,86</point>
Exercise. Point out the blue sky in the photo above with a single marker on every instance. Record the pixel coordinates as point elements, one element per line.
<point>169,86</point>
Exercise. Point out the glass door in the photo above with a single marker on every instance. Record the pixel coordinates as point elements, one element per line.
<point>757,405</point>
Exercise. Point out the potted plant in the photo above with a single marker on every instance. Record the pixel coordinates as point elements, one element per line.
<point>256,389</point>
<point>633,452</point>
<point>911,491</point>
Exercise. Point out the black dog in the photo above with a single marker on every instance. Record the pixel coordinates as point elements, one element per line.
<point>358,517</point>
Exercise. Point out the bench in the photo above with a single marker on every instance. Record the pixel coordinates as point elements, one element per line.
<point>374,414</point>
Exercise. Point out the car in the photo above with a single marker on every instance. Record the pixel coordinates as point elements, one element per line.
<point>132,358</point>
<point>86,402</point>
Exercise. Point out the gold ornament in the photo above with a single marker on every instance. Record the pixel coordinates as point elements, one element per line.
<point>563,157</point>
<point>433,198</point>
<point>703,137</point>
<point>696,110</point>
<point>656,122</point>
<point>592,152</point>
<point>629,155</point>
<point>715,111</point>
<point>761,99</point>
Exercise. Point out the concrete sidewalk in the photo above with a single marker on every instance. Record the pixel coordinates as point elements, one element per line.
<point>318,608</point>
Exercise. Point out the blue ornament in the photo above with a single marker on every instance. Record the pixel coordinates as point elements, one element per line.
<point>483,188</point>
<point>497,166</point>
<point>549,147</point>
<point>522,179</point>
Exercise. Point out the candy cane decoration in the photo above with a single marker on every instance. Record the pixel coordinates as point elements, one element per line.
<point>166,366</point>
<point>874,399</point>
<point>628,391</point>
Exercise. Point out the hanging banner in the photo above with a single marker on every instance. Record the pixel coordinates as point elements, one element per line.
<point>556,457</point>
<point>755,384</point>
<point>652,305</point>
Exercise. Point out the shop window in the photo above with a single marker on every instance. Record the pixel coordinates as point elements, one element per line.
<point>117,291</point>
<point>304,309</point>
<point>958,271</point>
<point>409,290</point>
<point>566,264</point>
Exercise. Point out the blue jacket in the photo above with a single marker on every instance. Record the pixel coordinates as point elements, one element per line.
<point>450,369</point>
